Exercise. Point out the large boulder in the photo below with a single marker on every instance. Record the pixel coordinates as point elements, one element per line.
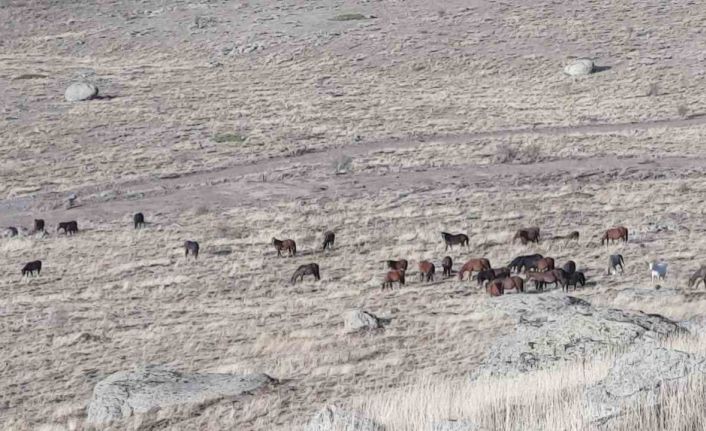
<point>332,418</point>
<point>553,329</point>
<point>125,393</point>
<point>579,67</point>
<point>359,320</point>
<point>80,91</point>
<point>636,378</point>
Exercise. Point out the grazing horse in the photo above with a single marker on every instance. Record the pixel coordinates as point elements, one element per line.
<point>569,267</point>
<point>492,274</point>
<point>575,278</point>
<point>288,245</point>
<point>69,227</point>
<point>658,270</point>
<point>530,234</point>
<point>525,263</point>
<point>454,239</point>
<point>329,238</point>
<point>38,225</point>
<point>426,271</point>
<point>397,264</point>
<point>541,279</point>
<point>698,275</point>
<point>447,263</point>
<point>615,261</point>
<point>495,288</point>
<point>545,264</point>
<point>393,276</point>
<point>615,233</point>
<point>473,265</point>
<point>138,220</point>
<point>518,283</point>
<point>193,247</point>
<point>308,269</point>
<point>10,232</point>
<point>31,267</point>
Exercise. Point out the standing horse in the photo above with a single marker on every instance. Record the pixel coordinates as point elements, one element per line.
<point>393,276</point>
<point>545,264</point>
<point>329,238</point>
<point>574,279</point>
<point>615,233</point>
<point>454,239</point>
<point>38,225</point>
<point>69,227</point>
<point>287,245</point>
<point>400,264</point>
<point>530,234</point>
<point>447,263</point>
<point>138,220</point>
<point>191,247</point>
<point>615,261</point>
<point>569,267</point>
<point>658,270</point>
<point>473,265</point>
<point>426,271</point>
<point>492,274</point>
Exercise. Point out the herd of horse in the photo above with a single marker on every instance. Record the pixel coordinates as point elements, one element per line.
<point>537,269</point>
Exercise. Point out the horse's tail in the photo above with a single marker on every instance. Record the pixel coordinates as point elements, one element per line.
<point>316,272</point>
<point>626,234</point>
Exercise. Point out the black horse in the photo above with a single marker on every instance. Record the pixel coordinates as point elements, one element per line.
<point>70,227</point>
<point>575,278</point>
<point>329,238</point>
<point>454,239</point>
<point>31,267</point>
<point>138,220</point>
<point>525,263</point>
<point>193,247</point>
<point>38,225</point>
<point>615,261</point>
<point>308,269</point>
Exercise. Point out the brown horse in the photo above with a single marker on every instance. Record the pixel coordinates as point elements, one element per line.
<point>329,238</point>
<point>308,269</point>
<point>530,234</point>
<point>400,264</point>
<point>514,282</point>
<point>426,271</point>
<point>447,263</point>
<point>545,264</point>
<point>394,276</point>
<point>473,265</point>
<point>615,233</point>
<point>541,279</point>
<point>492,274</point>
<point>495,288</point>
<point>287,245</point>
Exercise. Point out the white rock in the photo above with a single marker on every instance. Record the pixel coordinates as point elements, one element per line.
<point>359,320</point>
<point>581,66</point>
<point>80,91</point>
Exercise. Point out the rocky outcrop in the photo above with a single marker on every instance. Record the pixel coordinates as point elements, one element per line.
<point>359,320</point>
<point>636,378</point>
<point>552,329</point>
<point>332,418</point>
<point>125,393</point>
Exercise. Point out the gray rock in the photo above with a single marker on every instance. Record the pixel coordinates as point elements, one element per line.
<point>579,67</point>
<point>125,393</point>
<point>636,378</point>
<point>359,320</point>
<point>553,329</point>
<point>455,425</point>
<point>332,418</point>
<point>80,91</point>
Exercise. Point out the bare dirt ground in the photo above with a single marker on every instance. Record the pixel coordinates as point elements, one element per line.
<point>223,123</point>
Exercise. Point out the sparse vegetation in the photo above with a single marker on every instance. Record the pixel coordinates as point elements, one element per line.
<point>516,153</point>
<point>343,164</point>
<point>234,138</point>
<point>349,17</point>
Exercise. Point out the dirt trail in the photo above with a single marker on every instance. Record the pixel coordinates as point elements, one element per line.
<point>232,188</point>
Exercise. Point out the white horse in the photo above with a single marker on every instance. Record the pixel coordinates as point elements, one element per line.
<point>658,270</point>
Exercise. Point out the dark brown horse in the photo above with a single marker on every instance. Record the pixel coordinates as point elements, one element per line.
<point>530,234</point>
<point>525,263</point>
<point>287,245</point>
<point>308,269</point>
<point>31,267</point>
<point>329,238</point>
<point>569,267</point>
<point>495,288</point>
<point>69,227</point>
<point>426,271</point>
<point>452,239</point>
<point>447,263</point>
<point>545,264</point>
<point>38,225</point>
<point>514,282</point>
<point>400,264</point>
<point>615,233</point>
<point>492,274</point>
<point>191,247</point>
<point>393,276</point>
<point>138,220</point>
<point>541,279</point>
<point>473,265</point>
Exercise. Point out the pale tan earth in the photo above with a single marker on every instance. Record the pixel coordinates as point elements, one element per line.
<point>428,99</point>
